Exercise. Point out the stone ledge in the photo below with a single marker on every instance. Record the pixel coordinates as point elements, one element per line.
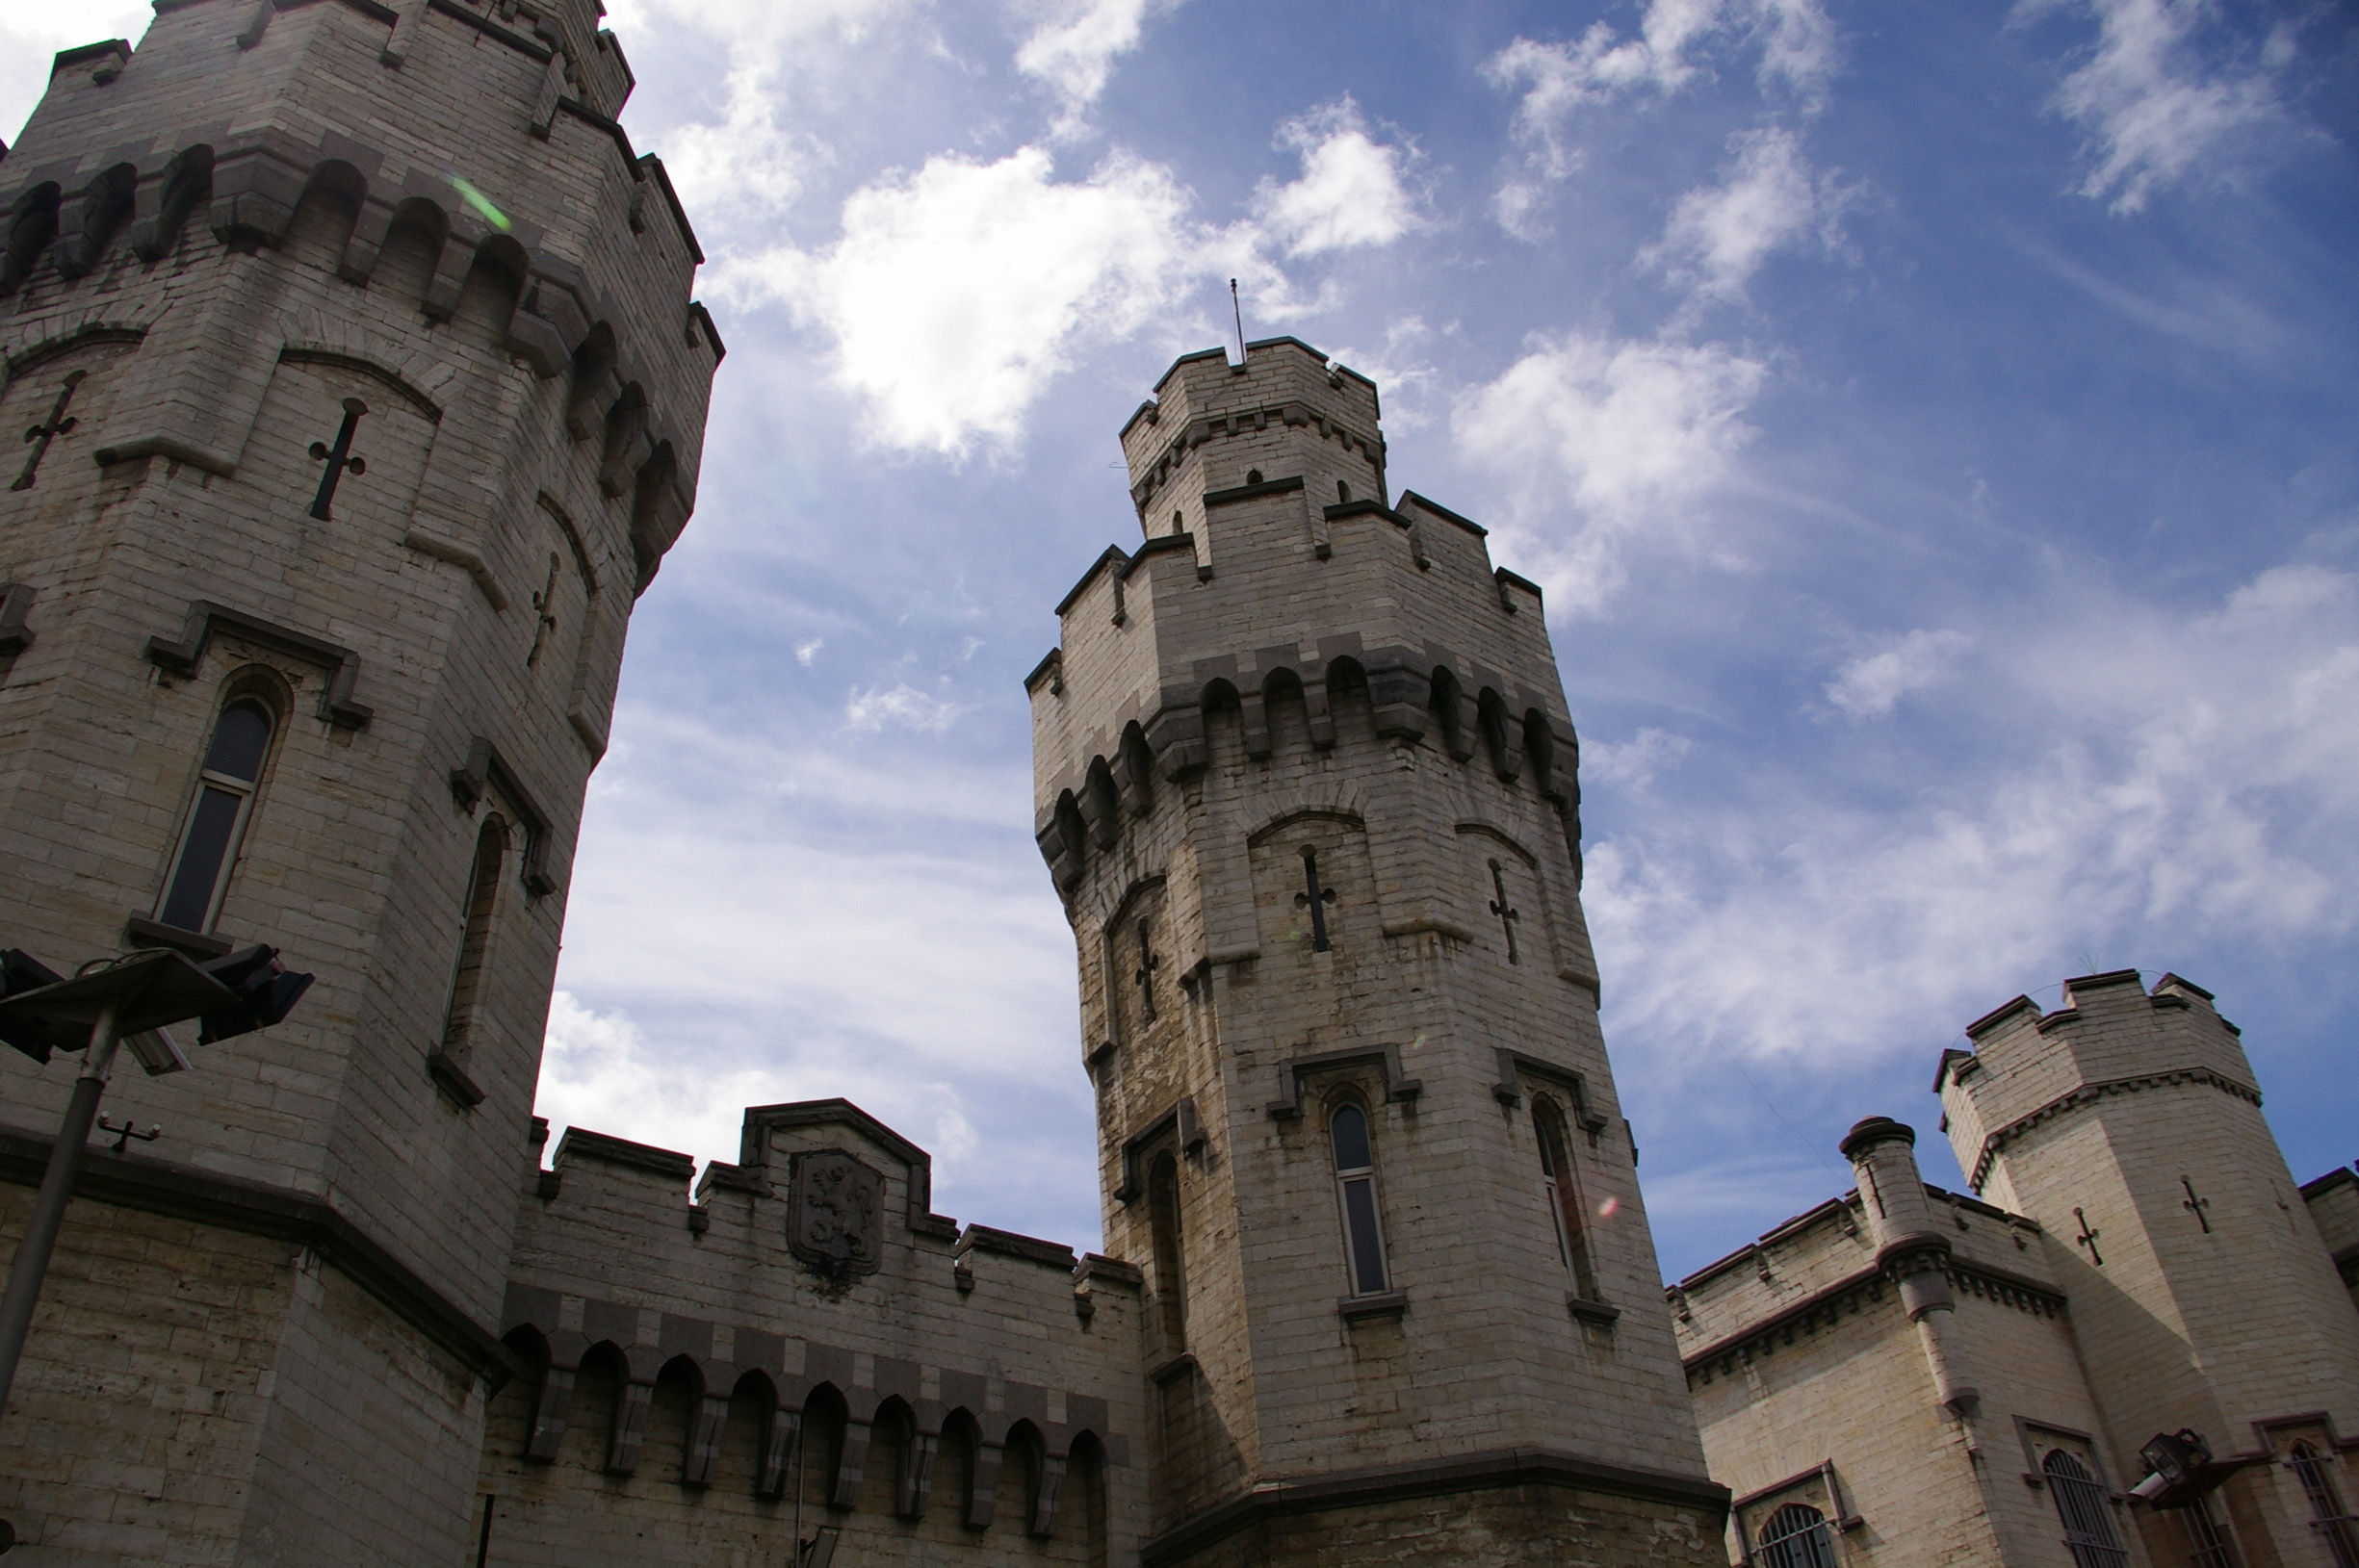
<point>180,1192</point>
<point>1358,1309</point>
<point>1496,1469</point>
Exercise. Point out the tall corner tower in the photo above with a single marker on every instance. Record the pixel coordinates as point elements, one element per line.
<point>1304,780</point>
<point>366,394</point>
<point>2128,1123</point>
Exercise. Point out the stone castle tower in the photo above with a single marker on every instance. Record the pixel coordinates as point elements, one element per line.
<point>1305,780</point>
<point>365,395</point>
<point>2128,1124</point>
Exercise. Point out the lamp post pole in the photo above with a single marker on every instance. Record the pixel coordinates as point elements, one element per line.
<point>41,1236</point>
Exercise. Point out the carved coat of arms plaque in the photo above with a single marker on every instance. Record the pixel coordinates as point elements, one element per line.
<point>835,1214</point>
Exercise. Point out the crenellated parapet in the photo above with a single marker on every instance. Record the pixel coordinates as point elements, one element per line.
<point>578,253</point>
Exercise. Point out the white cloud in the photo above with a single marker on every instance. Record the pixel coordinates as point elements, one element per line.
<point>1634,762</point>
<point>1719,235</point>
<point>1630,432</point>
<point>1074,49</point>
<point>807,650</point>
<point>905,705</point>
<point>957,292</point>
<point>1870,686</point>
<point>2159,781</point>
<point>2156,114</point>
<point>1351,190</point>
<point>1673,43</point>
<point>743,168</point>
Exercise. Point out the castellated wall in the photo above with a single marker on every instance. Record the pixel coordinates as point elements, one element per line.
<point>1306,783</point>
<point>406,248</point>
<point>1811,1387</point>
<point>804,1345</point>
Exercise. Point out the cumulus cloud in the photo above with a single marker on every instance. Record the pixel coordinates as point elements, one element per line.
<point>1871,684</point>
<point>904,705</point>
<point>1629,432</point>
<point>1074,48</point>
<point>1767,198</point>
<point>1351,191</point>
<point>2164,780</point>
<point>1675,41</point>
<point>748,163</point>
<point>1634,762</point>
<point>956,291</point>
<point>2154,112</point>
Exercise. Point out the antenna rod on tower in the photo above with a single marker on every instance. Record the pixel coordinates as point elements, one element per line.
<point>1238,312</point>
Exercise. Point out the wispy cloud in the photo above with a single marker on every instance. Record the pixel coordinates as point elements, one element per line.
<point>1634,762</point>
<point>2160,782</point>
<point>1628,432</point>
<point>1075,47</point>
<point>1767,200</point>
<point>1676,42</point>
<point>2158,113</point>
<point>904,705</point>
<point>1870,685</point>
<point>1351,191</point>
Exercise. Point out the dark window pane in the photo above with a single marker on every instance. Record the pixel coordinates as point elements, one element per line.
<point>210,826</point>
<point>1350,1131</point>
<point>1367,1251</point>
<point>238,742</point>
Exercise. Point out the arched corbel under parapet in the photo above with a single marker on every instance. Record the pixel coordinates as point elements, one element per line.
<point>32,224</point>
<point>89,224</point>
<point>162,203</point>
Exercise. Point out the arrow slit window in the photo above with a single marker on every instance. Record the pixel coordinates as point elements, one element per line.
<point>1363,1240</point>
<point>483,904</point>
<point>217,816</point>
<point>1562,1194</point>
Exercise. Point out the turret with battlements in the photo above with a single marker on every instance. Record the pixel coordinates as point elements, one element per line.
<point>1305,783</point>
<point>368,395</point>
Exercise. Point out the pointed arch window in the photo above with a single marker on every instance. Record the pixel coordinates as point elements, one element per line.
<point>2087,1512</point>
<point>2317,1477</point>
<point>1561,1191</point>
<point>475,945</point>
<point>217,816</point>
<point>1363,1238</point>
<point>1796,1537</point>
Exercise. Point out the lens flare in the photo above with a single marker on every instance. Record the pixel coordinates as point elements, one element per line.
<point>1609,1208</point>
<point>482,203</point>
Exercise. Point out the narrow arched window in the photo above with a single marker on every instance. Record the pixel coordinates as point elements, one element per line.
<point>1796,1537</point>
<point>1561,1192</point>
<point>217,817</point>
<point>2087,1512</point>
<point>482,903</point>
<point>1169,1261</point>
<point>2341,1530</point>
<point>1363,1240</point>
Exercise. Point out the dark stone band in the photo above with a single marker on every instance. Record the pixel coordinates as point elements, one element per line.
<point>1494,1470</point>
<point>179,1192</point>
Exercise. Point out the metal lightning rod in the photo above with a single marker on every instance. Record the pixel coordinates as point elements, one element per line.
<point>1236,309</point>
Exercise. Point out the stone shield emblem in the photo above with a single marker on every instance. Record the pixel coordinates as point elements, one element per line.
<point>834,1219</point>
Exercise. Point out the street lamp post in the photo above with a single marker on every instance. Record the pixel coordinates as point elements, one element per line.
<point>126,1001</point>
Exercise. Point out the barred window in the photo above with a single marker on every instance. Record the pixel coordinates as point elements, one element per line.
<point>2087,1512</point>
<point>2316,1476</point>
<point>1363,1242</point>
<point>1796,1537</point>
<point>2212,1546</point>
<point>217,816</point>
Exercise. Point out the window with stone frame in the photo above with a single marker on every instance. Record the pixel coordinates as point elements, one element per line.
<point>2083,1506</point>
<point>1561,1192</point>
<point>219,815</point>
<point>2313,1468</point>
<point>1168,1244</point>
<point>1799,1522</point>
<point>1364,1235</point>
<point>2207,1534</point>
<point>482,908</point>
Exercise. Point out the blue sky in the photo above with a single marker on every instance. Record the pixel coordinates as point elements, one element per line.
<point>1932,425</point>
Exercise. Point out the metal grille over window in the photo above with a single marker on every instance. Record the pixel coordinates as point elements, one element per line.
<point>2087,1511</point>
<point>1356,1179</point>
<point>217,816</point>
<point>1796,1537</point>
<point>2341,1530</point>
<point>2211,1542</point>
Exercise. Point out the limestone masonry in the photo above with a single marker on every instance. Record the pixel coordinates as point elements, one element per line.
<point>364,394</point>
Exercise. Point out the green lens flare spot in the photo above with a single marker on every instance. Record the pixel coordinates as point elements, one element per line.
<point>482,203</point>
